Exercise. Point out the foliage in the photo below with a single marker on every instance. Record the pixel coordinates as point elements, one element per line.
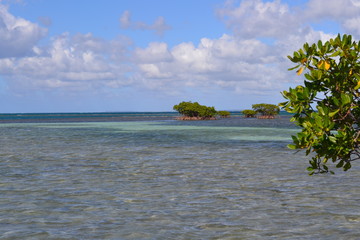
<point>223,114</point>
<point>249,113</point>
<point>266,109</point>
<point>195,110</point>
<point>327,106</point>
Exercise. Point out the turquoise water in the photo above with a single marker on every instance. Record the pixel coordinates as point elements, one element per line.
<point>87,117</point>
<point>164,179</point>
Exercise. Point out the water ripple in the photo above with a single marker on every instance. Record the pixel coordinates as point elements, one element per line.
<point>166,181</point>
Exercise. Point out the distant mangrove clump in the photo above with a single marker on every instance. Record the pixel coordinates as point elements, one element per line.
<point>223,114</point>
<point>263,110</point>
<point>248,113</point>
<point>195,111</point>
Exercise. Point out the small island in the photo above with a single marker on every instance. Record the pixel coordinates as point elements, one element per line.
<point>195,111</point>
<point>266,111</point>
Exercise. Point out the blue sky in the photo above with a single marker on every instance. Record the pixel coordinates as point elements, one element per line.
<point>137,55</point>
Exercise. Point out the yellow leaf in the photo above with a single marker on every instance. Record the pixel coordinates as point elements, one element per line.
<point>320,64</point>
<point>300,71</point>
<point>323,65</point>
<point>327,65</point>
<point>357,86</point>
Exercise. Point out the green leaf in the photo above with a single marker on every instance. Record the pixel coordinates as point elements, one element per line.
<point>357,76</point>
<point>291,146</point>
<point>290,69</point>
<point>308,77</point>
<point>340,164</point>
<point>335,54</point>
<point>321,110</point>
<point>319,44</point>
<point>345,98</point>
<point>306,47</point>
<point>319,121</point>
<point>332,114</point>
<point>347,166</point>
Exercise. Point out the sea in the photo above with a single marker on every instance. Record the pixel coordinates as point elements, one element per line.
<point>150,176</point>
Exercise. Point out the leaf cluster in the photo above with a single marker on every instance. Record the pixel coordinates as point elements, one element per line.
<point>326,106</point>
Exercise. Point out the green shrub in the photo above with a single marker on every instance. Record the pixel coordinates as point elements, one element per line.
<point>266,109</point>
<point>326,106</point>
<point>248,113</point>
<point>224,114</point>
<point>195,110</point>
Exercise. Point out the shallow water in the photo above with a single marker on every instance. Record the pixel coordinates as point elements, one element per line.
<point>227,179</point>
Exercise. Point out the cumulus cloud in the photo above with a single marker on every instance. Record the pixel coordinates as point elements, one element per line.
<point>79,62</point>
<point>159,26</point>
<point>353,25</point>
<point>255,18</point>
<point>18,36</point>
<point>345,13</point>
<point>332,9</point>
<point>155,52</point>
<point>227,62</point>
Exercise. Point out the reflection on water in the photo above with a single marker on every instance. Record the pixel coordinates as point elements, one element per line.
<point>228,179</point>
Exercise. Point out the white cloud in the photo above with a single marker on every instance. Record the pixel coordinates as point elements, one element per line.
<point>159,26</point>
<point>17,35</point>
<point>332,9</point>
<point>345,12</point>
<point>75,63</point>
<point>226,62</point>
<point>353,25</point>
<point>255,18</point>
<point>155,52</point>
<point>152,71</point>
